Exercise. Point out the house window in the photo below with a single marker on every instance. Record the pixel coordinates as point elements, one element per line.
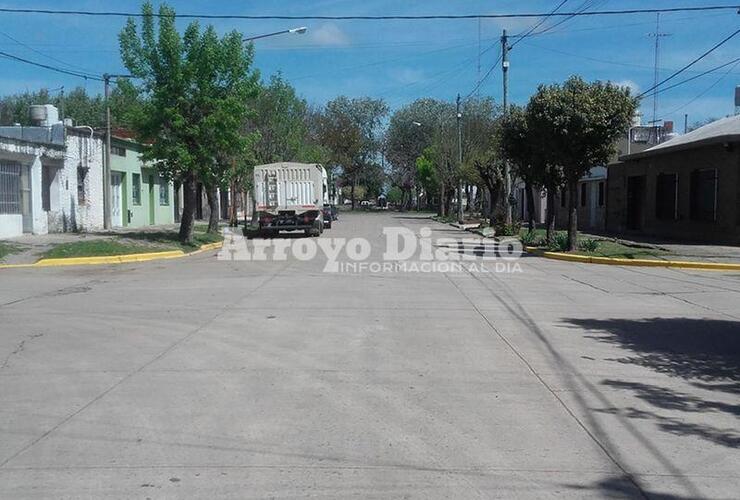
<point>118,150</point>
<point>136,189</point>
<point>10,188</point>
<point>81,176</point>
<point>666,197</point>
<point>704,195</point>
<point>164,192</point>
<point>583,194</point>
<point>601,194</point>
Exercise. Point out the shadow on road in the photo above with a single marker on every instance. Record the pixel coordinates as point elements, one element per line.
<point>704,352</point>
<point>704,349</point>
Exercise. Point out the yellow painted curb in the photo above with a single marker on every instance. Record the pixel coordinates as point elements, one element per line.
<point>585,259</point>
<point>114,259</point>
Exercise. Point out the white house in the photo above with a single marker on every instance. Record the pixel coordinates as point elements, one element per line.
<point>51,177</point>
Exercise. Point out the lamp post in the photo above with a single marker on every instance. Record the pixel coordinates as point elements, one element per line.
<point>300,31</point>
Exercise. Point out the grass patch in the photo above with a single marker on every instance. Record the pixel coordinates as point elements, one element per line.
<point>592,247</point>
<point>9,248</point>
<point>170,240</point>
<point>615,250</point>
<point>130,243</point>
<point>96,248</point>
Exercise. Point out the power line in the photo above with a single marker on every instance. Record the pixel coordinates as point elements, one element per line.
<point>701,94</point>
<point>480,82</point>
<point>540,23</point>
<point>51,68</point>
<point>52,58</point>
<point>702,8</point>
<point>583,8</point>
<point>716,68</point>
<point>678,72</point>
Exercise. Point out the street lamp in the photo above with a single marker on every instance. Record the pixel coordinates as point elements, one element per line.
<point>299,31</point>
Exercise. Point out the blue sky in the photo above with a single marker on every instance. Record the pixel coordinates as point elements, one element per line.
<point>404,60</point>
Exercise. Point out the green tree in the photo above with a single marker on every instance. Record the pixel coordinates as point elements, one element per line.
<point>522,149</point>
<point>411,130</point>
<point>482,160</point>
<point>580,122</point>
<point>81,107</point>
<point>196,90</point>
<point>350,130</point>
<point>281,118</point>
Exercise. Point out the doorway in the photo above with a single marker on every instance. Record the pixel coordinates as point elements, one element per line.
<point>635,201</point>
<point>116,209</point>
<point>151,200</point>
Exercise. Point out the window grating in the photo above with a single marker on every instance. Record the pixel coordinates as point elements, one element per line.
<point>10,188</point>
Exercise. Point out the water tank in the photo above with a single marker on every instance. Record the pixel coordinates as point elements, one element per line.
<point>44,115</point>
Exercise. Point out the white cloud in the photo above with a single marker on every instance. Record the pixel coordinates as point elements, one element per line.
<point>407,75</point>
<point>634,87</point>
<point>328,35</point>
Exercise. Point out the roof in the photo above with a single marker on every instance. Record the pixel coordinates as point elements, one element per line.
<point>717,132</point>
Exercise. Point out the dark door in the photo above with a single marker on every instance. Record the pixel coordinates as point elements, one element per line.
<point>635,201</point>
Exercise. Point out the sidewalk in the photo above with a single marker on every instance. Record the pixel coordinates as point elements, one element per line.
<point>30,248</point>
<point>33,246</point>
<point>692,252</point>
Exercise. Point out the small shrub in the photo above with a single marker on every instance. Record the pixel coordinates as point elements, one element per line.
<point>560,242</point>
<point>512,229</point>
<point>588,245</point>
<point>530,239</point>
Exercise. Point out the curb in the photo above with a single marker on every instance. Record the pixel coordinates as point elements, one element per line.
<point>584,259</point>
<point>114,259</point>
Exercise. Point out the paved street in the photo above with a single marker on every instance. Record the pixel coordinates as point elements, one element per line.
<point>199,378</point>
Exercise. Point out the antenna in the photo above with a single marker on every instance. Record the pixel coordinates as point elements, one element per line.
<point>478,77</point>
<point>656,74</point>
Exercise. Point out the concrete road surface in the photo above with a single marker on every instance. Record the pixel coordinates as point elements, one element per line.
<point>203,378</point>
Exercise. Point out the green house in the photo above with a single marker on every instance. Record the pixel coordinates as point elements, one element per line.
<point>139,196</point>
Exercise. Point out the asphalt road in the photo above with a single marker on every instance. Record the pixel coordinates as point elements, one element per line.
<point>203,378</point>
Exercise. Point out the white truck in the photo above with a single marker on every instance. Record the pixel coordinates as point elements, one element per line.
<point>289,197</point>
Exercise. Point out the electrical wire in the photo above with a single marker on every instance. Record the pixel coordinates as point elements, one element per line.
<point>712,70</point>
<point>480,82</point>
<point>538,24</point>
<point>702,8</point>
<point>51,58</point>
<point>51,68</point>
<point>701,94</point>
<point>696,60</point>
<point>583,8</point>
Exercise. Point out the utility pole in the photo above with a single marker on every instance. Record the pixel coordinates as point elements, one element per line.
<point>685,122</point>
<point>656,70</point>
<point>460,219</point>
<point>106,166</point>
<point>507,167</point>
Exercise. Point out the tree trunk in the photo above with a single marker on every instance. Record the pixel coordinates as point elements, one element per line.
<point>529,193</point>
<point>551,214</point>
<point>572,215</point>
<point>352,194</point>
<point>233,219</point>
<point>214,208</point>
<point>494,192</point>
<point>188,209</point>
<point>442,199</point>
